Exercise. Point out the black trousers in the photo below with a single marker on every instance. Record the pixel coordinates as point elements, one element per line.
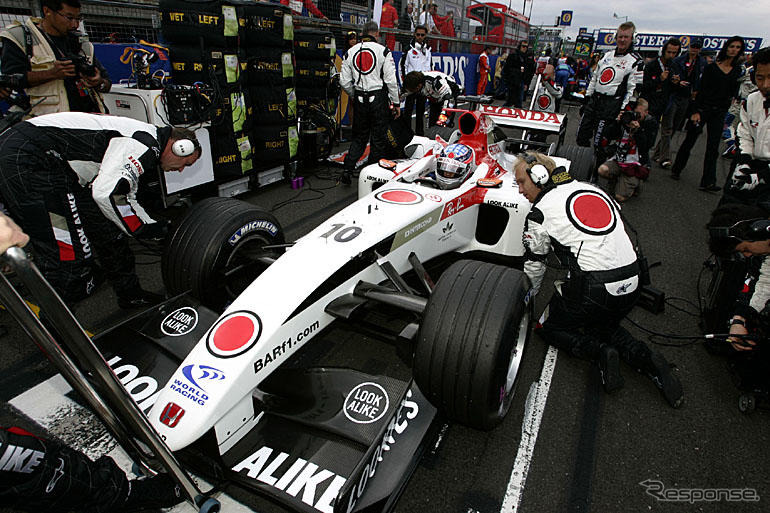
<point>713,120</point>
<point>417,101</point>
<point>597,112</point>
<point>42,475</point>
<point>371,121</point>
<point>66,228</point>
<point>581,321</point>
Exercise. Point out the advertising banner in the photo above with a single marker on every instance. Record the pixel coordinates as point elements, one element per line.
<point>647,41</point>
<point>565,20</point>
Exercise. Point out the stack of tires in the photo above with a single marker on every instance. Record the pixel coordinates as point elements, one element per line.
<point>267,42</point>
<point>314,50</point>
<point>243,51</point>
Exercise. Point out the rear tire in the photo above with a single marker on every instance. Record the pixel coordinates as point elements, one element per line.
<point>471,342</point>
<point>214,251</point>
<point>581,159</point>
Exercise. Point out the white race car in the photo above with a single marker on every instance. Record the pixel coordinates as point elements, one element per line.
<point>233,371</point>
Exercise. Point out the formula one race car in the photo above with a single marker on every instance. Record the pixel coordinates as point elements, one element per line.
<point>245,373</point>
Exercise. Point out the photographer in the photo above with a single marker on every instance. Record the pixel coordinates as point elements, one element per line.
<point>626,145</point>
<point>69,178</point>
<point>744,229</point>
<point>58,67</point>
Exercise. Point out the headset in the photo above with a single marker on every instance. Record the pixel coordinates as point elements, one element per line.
<point>185,147</point>
<point>537,172</point>
<point>751,230</point>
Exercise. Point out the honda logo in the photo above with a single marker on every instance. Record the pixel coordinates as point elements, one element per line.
<point>171,415</point>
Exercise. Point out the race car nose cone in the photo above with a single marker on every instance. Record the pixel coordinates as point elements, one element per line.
<point>234,334</point>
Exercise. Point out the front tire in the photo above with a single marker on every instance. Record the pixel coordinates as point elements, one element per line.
<point>218,250</point>
<point>471,342</point>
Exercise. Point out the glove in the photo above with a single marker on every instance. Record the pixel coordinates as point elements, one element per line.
<point>744,179</point>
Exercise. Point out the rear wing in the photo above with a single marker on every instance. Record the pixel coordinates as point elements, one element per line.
<point>523,118</point>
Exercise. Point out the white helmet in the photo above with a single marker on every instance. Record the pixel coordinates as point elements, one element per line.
<point>453,165</point>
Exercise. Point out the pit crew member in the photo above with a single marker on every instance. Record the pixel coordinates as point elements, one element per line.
<point>368,76</point>
<point>438,87</point>
<point>43,475</point>
<point>69,178</point>
<point>584,228</point>
<point>484,70</point>
<point>611,87</point>
<point>58,67</point>
<point>416,58</point>
<point>750,182</point>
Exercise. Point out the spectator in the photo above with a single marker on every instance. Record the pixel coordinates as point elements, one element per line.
<point>750,181</point>
<point>718,85</point>
<point>543,60</point>
<point>417,58</point>
<point>529,72</point>
<point>745,88</point>
<point>585,311</point>
<point>513,74</point>
<point>499,82</point>
<point>484,69</point>
<point>309,5</point>
<point>428,18</point>
<point>71,180</point>
<point>351,40</point>
<point>374,90</point>
<point>407,22</point>
<point>611,87</point>
<point>66,74</point>
<point>656,85</point>
<point>563,72</point>
<point>438,87</point>
<point>57,478</point>
<point>626,146</point>
<point>685,74</point>
<point>447,28</point>
<point>389,19</point>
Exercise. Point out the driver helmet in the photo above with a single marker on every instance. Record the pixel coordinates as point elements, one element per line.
<point>453,165</point>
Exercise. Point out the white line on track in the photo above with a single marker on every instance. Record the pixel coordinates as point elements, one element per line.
<point>47,405</point>
<point>533,414</point>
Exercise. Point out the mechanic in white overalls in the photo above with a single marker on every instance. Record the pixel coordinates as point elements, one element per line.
<point>368,76</point>
<point>584,228</point>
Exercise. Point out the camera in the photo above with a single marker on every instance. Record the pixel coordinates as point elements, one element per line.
<point>15,81</point>
<point>82,66</point>
<point>629,116</point>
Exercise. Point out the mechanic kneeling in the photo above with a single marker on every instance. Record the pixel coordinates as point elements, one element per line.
<point>583,226</point>
<point>47,166</point>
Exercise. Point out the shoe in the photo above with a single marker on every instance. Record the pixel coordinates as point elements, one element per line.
<point>609,368</point>
<point>665,164</point>
<point>710,188</point>
<point>344,178</point>
<point>675,176</point>
<point>138,298</point>
<point>159,491</point>
<point>666,381</point>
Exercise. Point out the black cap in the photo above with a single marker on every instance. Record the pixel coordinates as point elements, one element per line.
<point>696,42</point>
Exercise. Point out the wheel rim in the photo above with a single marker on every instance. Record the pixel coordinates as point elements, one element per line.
<point>243,265</point>
<point>514,362</point>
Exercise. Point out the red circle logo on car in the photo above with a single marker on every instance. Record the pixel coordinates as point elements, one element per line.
<point>399,197</point>
<point>591,212</point>
<point>607,75</point>
<point>364,61</point>
<point>234,334</point>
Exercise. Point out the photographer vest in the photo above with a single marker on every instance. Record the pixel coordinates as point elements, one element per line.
<point>41,56</point>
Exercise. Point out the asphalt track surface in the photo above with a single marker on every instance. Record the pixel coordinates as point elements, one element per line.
<point>590,451</point>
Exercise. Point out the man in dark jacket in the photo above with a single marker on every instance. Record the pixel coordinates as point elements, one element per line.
<point>513,74</point>
<point>684,78</point>
<point>656,84</point>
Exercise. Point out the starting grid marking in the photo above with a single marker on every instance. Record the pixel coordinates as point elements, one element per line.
<point>48,405</point>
